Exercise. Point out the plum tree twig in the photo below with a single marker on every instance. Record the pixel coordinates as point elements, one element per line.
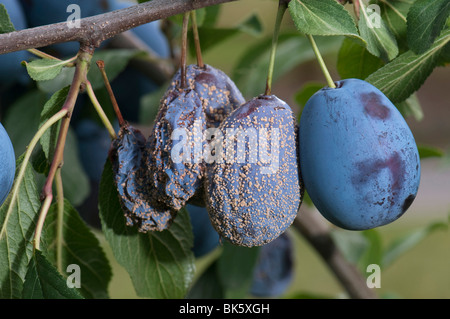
<point>318,236</point>
<point>79,77</point>
<point>96,29</point>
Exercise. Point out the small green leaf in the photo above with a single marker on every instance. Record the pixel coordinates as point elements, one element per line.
<point>45,69</point>
<point>16,235</point>
<point>405,74</point>
<point>76,182</point>
<point>78,245</point>
<point>22,118</point>
<point>393,13</point>
<point>406,242</point>
<point>63,79</point>
<point>429,151</point>
<point>325,17</point>
<point>355,61</point>
<point>252,25</point>
<point>6,25</point>
<point>380,41</point>
<point>203,287</point>
<point>251,69</point>
<point>426,19</point>
<point>235,269</point>
<point>160,264</point>
<point>43,281</point>
<point>411,107</point>
<point>373,253</point>
<point>352,245</point>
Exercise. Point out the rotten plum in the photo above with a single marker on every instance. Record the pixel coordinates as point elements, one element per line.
<point>359,159</point>
<point>139,204</point>
<point>253,186</point>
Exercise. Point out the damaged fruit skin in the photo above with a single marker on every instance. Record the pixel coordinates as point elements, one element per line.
<point>207,99</point>
<point>359,159</point>
<point>252,202</point>
<point>140,206</point>
<point>174,159</point>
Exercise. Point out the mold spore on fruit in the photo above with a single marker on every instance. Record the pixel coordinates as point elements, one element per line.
<point>249,202</point>
<point>359,159</point>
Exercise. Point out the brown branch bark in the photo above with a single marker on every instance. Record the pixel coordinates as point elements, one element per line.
<point>318,235</point>
<point>96,29</point>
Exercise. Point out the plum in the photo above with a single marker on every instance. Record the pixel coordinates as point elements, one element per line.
<point>7,164</point>
<point>274,270</point>
<point>217,92</point>
<point>174,148</point>
<point>11,69</point>
<point>206,238</point>
<point>358,157</point>
<point>253,193</point>
<point>140,206</point>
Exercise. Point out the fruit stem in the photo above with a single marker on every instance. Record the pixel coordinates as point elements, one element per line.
<point>60,219</point>
<point>198,49</point>
<point>183,83</point>
<point>100,111</point>
<point>321,62</point>
<point>282,6</point>
<point>101,66</point>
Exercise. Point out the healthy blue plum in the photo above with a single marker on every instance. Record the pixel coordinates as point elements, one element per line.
<point>206,239</point>
<point>358,157</point>
<point>253,189</point>
<point>7,164</point>
<point>274,270</point>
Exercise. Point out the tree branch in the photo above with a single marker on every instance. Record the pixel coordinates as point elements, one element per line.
<point>318,235</point>
<point>96,29</point>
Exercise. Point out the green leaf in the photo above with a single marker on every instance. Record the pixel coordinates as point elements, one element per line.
<point>406,242</point>
<point>235,269</point>
<point>160,264</point>
<point>76,182</point>
<point>45,69</point>
<point>380,41</point>
<point>355,61</point>
<point>203,287</point>
<point>115,60</point>
<point>352,245</point>
<point>63,79</point>
<point>16,248</point>
<point>251,70</point>
<point>43,281</point>
<point>325,17</point>
<point>70,241</point>
<point>405,74</point>
<point>6,25</point>
<point>22,119</point>
<point>393,13</point>
<point>374,251</point>
<point>252,25</point>
<point>50,137</point>
<point>429,151</point>
<point>411,107</point>
<point>426,19</point>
